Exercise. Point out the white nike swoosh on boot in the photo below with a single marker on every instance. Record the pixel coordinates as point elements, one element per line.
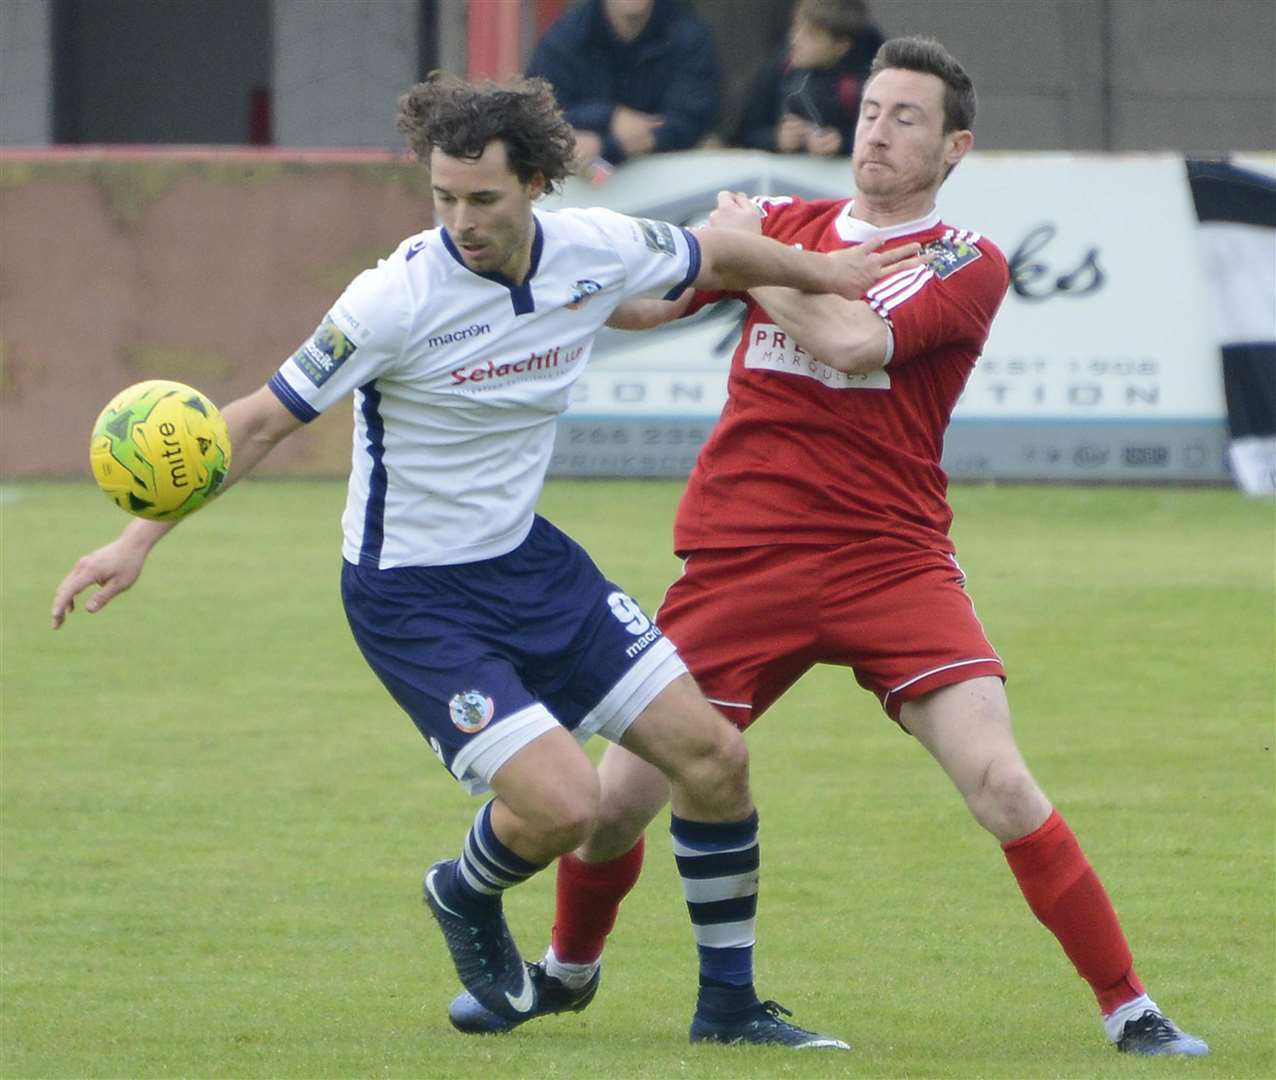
<point>429,884</point>
<point>524,1000</point>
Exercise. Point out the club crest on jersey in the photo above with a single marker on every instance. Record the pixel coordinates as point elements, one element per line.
<point>657,235</point>
<point>581,292</point>
<point>327,349</point>
<point>471,710</point>
<point>951,254</point>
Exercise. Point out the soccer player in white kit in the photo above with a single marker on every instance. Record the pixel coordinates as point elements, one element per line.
<point>492,629</point>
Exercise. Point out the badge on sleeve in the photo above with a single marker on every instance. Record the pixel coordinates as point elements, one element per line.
<point>951,254</point>
<point>328,348</point>
<point>657,234</point>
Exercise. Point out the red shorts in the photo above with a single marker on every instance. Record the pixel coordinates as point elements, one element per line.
<point>749,622</point>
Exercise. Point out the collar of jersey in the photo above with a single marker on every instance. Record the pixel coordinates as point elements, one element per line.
<point>854,231</point>
<point>520,295</point>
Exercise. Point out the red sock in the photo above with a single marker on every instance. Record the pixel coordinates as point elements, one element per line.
<point>1065,893</point>
<point>589,896</point>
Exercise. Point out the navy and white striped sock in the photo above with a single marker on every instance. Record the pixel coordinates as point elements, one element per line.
<point>718,863</point>
<point>484,870</point>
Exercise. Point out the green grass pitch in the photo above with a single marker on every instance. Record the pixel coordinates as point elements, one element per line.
<point>215,820</point>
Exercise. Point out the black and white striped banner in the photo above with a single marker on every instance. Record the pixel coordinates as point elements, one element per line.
<point>1237,212</point>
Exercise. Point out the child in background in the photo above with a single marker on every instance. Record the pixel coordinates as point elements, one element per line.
<point>807,99</point>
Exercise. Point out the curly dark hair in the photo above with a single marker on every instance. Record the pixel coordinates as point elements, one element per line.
<point>929,57</point>
<point>460,118</point>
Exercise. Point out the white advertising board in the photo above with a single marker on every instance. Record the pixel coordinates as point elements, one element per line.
<point>1102,362</point>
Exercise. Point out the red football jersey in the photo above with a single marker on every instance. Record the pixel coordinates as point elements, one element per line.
<point>807,454</point>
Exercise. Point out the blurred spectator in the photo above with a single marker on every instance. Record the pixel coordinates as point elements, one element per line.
<point>634,77</point>
<point>807,99</point>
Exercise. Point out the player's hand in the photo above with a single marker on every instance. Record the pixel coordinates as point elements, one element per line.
<point>791,133</point>
<point>634,130</point>
<point>824,142</point>
<point>114,568</point>
<point>735,210</point>
<point>864,265</point>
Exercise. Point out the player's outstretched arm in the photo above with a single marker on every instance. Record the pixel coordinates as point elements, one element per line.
<point>113,568</point>
<point>842,333</point>
<point>643,314</point>
<point>736,260</point>
<point>839,329</point>
<point>256,423</point>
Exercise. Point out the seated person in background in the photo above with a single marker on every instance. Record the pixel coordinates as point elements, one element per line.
<point>634,77</point>
<point>806,101</point>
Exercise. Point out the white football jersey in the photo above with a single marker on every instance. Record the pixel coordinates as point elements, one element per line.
<point>459,377</point>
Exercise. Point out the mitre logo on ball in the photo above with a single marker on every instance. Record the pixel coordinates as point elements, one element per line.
<point>160,450</point>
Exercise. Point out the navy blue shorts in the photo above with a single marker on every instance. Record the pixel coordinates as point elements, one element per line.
<point>487,656</point>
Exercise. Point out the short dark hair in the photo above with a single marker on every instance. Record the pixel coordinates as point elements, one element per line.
<point>460,118</point>
<point>839,18</point>
<point>928,56</point>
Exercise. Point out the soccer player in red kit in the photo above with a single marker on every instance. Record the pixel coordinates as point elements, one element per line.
<point>818,510</point>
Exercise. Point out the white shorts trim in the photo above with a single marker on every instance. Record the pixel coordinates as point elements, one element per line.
<point>936,671</point>
<point>637,689</point>
<point>477,762</point>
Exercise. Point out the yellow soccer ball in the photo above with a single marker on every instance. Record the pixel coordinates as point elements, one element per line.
<point>160,450</point>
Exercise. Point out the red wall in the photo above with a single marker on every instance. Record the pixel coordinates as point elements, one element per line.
<point>202,267</point>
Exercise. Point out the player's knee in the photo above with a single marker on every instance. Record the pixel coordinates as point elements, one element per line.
<point>716,765</point>
<point>565,817</point>
<point>617,828</point>
<point>732,756</point>
<point>1008,802</point>
<point>614,833</point>
<point>633,793</point>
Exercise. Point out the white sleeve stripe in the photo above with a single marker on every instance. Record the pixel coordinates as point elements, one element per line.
<point>894,283</point>
<point>886,307</point>
<point>891,304</point>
